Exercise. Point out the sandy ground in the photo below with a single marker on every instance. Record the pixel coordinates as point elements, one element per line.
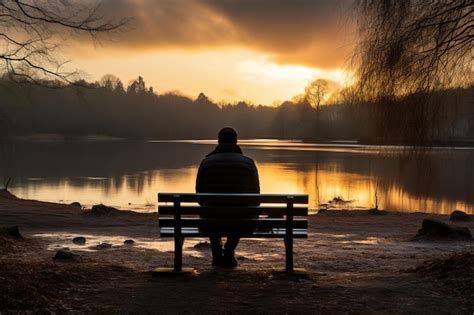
<point>356,262</point>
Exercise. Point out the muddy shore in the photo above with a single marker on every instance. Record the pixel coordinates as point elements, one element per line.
<point>355,261</point>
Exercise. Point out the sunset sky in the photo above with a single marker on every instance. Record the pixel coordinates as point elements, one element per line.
<point>255,50</point>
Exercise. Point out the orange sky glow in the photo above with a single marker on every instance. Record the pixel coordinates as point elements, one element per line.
<point>257,51</point>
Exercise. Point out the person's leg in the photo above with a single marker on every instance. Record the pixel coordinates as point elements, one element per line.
<point>231,243</point>
<point>216,246</point>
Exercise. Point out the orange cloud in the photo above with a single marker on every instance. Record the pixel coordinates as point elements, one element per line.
<point>317,33</point>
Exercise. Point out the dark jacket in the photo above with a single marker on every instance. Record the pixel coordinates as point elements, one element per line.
<point>227,170</point>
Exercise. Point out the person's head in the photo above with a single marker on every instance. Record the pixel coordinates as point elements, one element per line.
<point>227,135</point>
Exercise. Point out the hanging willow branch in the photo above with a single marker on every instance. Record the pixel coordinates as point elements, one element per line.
<point>409,49</point>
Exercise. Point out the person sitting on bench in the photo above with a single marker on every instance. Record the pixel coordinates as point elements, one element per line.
<point>226,170</point>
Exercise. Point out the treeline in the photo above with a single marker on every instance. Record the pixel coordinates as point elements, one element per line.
<point>136,111</point>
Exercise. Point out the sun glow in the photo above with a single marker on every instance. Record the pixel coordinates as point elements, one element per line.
<point>289,80</point>
<point>229,75</point>
<point>263,69</point>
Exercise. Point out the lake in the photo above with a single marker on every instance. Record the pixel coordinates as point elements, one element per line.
<point>129,174</point>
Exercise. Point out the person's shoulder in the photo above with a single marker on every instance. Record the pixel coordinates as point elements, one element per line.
<point>247,160</point>
<point>213,158</point>
<point>227,156</point>
<point>206,159</point>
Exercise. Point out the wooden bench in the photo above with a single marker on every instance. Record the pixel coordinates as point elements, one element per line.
<point>180,216</point>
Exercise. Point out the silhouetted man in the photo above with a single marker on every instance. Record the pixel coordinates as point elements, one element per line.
<point>226,170</point>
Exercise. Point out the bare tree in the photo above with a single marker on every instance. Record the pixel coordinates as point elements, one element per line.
<point>314,94</point>
<point>31,29</point>
<point>110,82</point>
<point>412,47</point>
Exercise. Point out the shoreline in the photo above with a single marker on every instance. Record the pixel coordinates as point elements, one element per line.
<point>355,261</point>
<point>149,209</point>
<point>441,145</point>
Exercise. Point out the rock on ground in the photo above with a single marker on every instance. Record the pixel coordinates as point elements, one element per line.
<point>76,204</point>
<point>103,210</point>
<point>80,240</point>
<point>66,255</point>
<point>103,246</point>
<point>436,230</point>
<point>11,232</point>
<point>458,215</point>
<point>202,245</point>
<point>10,239</point>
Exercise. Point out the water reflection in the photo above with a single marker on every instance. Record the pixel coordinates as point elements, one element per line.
<point>128,174</point>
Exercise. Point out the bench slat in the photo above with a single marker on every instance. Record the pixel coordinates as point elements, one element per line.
<point>233,198</point>
<point>273,233</point>
<point>233,223</point>
<point>232,211</point>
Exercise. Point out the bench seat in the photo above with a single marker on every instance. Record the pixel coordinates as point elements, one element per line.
<point>190,215</point>
<point>273,233</point>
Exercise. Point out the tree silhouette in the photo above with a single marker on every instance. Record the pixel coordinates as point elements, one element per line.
<point>111,82</point>
<point>137,86</point>
<point>412,47</point>
<point>315,93</point>
<point>29,33</point>
<point>105,109</point>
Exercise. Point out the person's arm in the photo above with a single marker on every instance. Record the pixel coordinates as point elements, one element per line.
<point>256,181</point>
<point>199,179</point>
<point>255,186</point>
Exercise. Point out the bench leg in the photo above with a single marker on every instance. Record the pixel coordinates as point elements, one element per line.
<point>178,253</point>
<point>289,254</point>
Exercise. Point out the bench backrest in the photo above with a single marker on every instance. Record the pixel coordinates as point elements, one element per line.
<point>284,213</point>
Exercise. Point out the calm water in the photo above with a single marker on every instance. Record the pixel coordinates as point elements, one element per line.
<point>128,174</point>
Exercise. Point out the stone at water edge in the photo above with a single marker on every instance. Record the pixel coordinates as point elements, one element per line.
<point>66,255</point>
<point>104,246</point>
<point>102,209</point>
<point>129,242</point>
<point>80,240</point>
<point>76,204</point>
<point>436,230</point>
<point>458,215</point>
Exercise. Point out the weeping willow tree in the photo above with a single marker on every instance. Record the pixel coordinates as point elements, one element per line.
<point>409,50</point>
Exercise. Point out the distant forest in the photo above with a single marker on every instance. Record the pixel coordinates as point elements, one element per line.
<point>136,111</point>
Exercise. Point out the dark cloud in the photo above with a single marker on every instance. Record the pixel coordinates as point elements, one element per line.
<point>168,23</point>
<point>312,32</point>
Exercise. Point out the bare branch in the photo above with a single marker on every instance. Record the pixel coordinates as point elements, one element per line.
<point>412,47</point>
<point>28,30</point>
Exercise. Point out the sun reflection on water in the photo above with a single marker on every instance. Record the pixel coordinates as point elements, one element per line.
<point>336,176</point>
